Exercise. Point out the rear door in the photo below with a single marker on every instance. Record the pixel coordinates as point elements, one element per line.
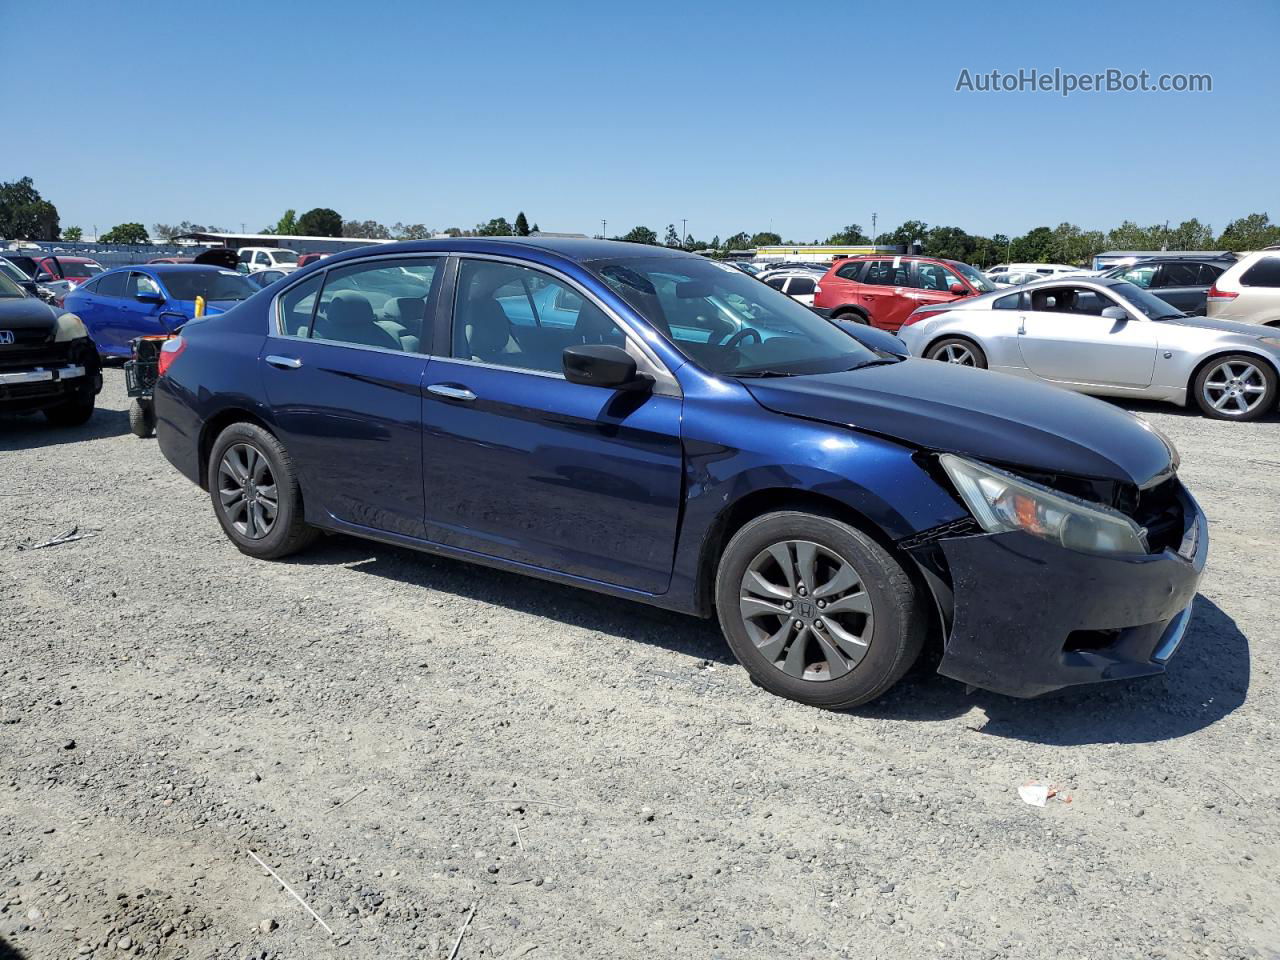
<point>1181,285</point>
<point>1064,338</point>
<point>523,465</point>
<point>345,386</point>
<point>886,294</point>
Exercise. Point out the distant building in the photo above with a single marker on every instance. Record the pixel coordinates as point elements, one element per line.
<point>817,253</point>
<point>233,241</point>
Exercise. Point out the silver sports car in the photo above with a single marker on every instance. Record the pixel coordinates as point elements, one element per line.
<point>1105,337</point>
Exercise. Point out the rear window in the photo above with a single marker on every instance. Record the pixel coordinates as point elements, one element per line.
<point>1264,273</point>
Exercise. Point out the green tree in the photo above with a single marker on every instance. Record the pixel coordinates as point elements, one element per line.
<point>287,224</point>
<point>765,239</point>
<point>715,242</point>
<point>522,225</point>
<point>671,239</point>
<point>497,227</point>
<point>1075,246</point>
<point>739,241</point>
<point>1249,233</point>
<point>536,229</point>
<point>851,235</point>
<point>369,229</point>
<point>125,233</point>
<point>1130,236</point>
<point>910,232</point>
<point>640,235</point>
<point>320,222</point>
<point>72,234</point>
<point>951,243</point>
<point>1034,246</point>
<point>411,231</point>
<point>24,214</point>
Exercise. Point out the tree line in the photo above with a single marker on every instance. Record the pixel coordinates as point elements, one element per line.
<point>26,215</point>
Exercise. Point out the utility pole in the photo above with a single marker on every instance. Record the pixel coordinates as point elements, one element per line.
<point>604,229</point>
<point>874,236</point>
<point>684,231</point>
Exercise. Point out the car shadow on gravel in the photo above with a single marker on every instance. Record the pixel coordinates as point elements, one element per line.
<point>32,431</point>
<point>1143,407</point>
<point>9,952</point>
<point>1207,679</point>
<point>626,619</point>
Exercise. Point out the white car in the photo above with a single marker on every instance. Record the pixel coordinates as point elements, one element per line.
<point>255,259</point>
<point>799,285</point>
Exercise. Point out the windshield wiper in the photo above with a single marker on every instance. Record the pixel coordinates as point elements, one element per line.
<point>879,361</point>
<point>763,373</point>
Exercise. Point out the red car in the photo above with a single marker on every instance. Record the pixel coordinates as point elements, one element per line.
<point>75,270</point>
<point>883,290</point>
<point>310,258</point>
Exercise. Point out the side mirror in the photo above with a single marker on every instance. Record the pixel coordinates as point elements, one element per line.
<point>146,297</point>
<point>602,365</point>
<point>958,289</point>
<point>1115,313</point>
<point>45,277</point>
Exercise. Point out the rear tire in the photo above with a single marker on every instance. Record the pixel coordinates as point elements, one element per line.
<point>74,412</point>
<point>255,493</point>
<point>852,316</point>
<point>142,419</point>
<point>862,623</point>
<point>958,350</point>
<point>1236,386</point>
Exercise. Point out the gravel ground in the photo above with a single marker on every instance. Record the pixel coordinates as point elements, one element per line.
<point>400,737</point>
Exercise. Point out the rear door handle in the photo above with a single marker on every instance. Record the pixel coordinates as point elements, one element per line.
<point>451,392</point>
<point>284,363</point>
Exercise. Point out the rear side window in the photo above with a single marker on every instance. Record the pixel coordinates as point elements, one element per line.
<point>1179,275</point>
<point>800,286</point>
<point>850,271</point>
<point>776,282</point>
<point>296,305</point>
<point>887,273</point>
<point>1012,302</point>
<point>1209,274</point>
<point>1264,273</point>
<point>141,284</point>
<point>112,285</point>
<point>381,303</point>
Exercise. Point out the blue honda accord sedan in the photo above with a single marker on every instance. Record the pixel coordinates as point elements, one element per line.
<point>654,425</point>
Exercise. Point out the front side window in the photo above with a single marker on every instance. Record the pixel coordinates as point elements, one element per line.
<point>245,256</point>
<point>1140,276</point>
<point>977,279</point>
<point>1176,275</point>
<point>1264,273</point>
<point>10,290</point>
<point>382,303</point>
<point>727,322</point>
<point>142,285</point>
<point>936,277</point>
<point>212,284</point>
<point>513,316</point>
<point>1082,301</point>
<point>261,257</point>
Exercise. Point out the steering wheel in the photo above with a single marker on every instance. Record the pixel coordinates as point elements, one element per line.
<point>741,335</point>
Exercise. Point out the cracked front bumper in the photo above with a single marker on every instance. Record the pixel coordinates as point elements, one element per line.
<point>1031,617</point>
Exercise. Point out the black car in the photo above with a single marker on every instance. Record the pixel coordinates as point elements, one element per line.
<point>1181,282</point>
<point>47,361</point>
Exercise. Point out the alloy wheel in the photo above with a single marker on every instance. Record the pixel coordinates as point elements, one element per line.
<point>806,610</point>
<point>956,353</point>
<point>1235,387</point>
<point>247,490</point>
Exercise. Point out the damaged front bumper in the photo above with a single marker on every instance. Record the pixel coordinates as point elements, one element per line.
<point>1029,617</point>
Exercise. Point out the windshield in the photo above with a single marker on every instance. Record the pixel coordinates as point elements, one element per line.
<point>728,322</point>
<point>7,269</point>
<point>1151,305</point>
<point>973,275</point>
<point>284,256</point>
<point>211,284</point>
<point>9,289</point>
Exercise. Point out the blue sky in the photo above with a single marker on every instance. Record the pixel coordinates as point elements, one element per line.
<point>799,118</point>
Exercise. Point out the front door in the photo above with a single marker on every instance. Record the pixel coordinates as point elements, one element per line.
<point>886,293</point>
<point>1065,338</point>
<point>343,371</point>
<point>521,464</point>
<point>933,283</point>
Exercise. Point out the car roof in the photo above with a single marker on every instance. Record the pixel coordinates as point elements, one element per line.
<point>577,249</point>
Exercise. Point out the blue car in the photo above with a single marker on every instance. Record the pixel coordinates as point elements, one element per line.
<point>151,299</point>
<point>650,424</point>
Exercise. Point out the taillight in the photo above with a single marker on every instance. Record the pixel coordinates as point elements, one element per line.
<point>817,288</point>
<point>1216,294</point>
<point>170,352</point>
<point>917,315</point>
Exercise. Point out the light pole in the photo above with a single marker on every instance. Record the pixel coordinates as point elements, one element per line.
<point>604,229</point>
<point>874,236</point>
<point>684,232</point>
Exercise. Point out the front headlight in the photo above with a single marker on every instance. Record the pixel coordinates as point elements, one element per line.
<point>1001,503</point>
<point>69,327</point>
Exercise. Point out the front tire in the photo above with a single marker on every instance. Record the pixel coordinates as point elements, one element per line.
<point>958,350</point>
<point>817,611</point>
<point>1235,387</point>
<point>255,493</point>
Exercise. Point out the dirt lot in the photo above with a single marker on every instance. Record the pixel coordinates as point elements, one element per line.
<point>401,737</point>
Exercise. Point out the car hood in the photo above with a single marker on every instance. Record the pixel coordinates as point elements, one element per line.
<point>1225,326</point>
<point>977,413</point>
<point>26,314</point>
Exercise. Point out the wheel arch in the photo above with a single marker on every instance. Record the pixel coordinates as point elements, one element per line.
<point>845,309</point>
<point>952,335</point>
<point>1267,361</point>
<point>214,426</point>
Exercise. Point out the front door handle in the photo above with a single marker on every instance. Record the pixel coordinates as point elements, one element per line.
<point>1022,325</point>
<point>451,392</point>
<point>284,363</point>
